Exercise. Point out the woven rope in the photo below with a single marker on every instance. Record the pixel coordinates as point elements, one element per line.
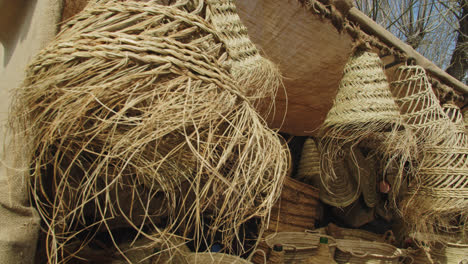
<point>438,193</point>
<point>136,96</point>
<point>363,107</point>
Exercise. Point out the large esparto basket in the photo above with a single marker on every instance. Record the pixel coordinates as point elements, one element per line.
<point>360,251</point>
<point>303,246</point>
<point>139,94</point>
<point>297,209</point>
<point>214,258</point>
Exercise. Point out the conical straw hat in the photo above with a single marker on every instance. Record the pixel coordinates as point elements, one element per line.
<point>363,107</point>
<point>364,95</point>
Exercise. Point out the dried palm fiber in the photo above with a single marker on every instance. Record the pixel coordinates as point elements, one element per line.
<point>258,76</point>
<point>214,258</point>
<point>437,198</point>
<point>361,251</point>
<point>303,246</point>
<point>134,97</point>
<point>363,107</point>
<point>340,192</point>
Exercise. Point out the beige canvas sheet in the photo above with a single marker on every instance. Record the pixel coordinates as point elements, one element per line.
<point>25,27</point>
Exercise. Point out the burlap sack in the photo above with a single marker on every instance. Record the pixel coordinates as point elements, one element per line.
<point>25,28</point>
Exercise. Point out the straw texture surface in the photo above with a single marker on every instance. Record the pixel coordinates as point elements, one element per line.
<point>132,118</point>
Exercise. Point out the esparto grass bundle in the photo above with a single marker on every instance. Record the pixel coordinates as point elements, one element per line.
<point>437,198</point>
<point>137,98</point>
<point>364,107</point>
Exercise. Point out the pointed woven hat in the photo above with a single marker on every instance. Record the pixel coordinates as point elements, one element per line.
<point>364,95</point>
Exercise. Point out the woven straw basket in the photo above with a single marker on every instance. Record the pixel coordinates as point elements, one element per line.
<point>360,251</point>
<point>214,258</point>
<point>297,209</point>
<point>140,95</point>
<point>438,193</point>
<point>303,246</point>
<point>357,234</point>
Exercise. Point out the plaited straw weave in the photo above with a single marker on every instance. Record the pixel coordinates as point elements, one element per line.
<point>420,107</point>
<point>135,97</point>
<point>214,258</point>
<point>303,246</point>
<point>309,165</point>
<point>253,72</point>
<point>364,106</point>
<point>438,194</point>
<point>360,251</point>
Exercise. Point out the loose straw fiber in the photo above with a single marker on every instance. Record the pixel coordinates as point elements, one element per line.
<point>437,198</point>
<point>364,106</point>
<point>136,96</point>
